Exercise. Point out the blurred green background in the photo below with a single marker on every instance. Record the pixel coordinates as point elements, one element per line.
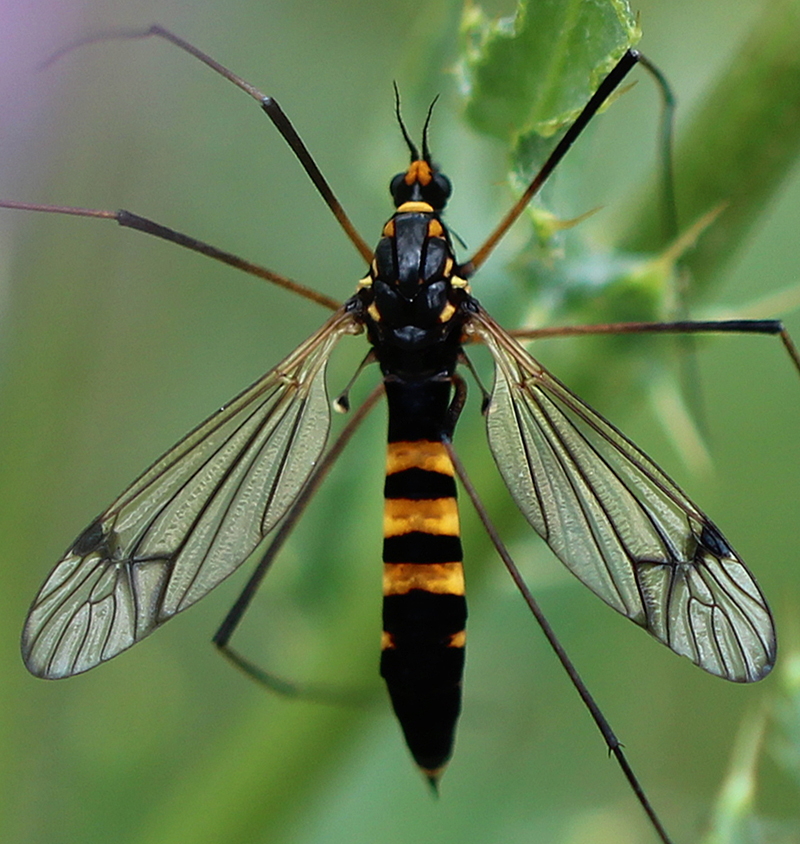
<point>112,345</point>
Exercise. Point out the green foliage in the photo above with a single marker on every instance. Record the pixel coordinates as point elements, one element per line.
<point>533,74</point>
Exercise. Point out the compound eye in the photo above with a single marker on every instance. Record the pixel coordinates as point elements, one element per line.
<point>399,189</point>
<point>438,191</point>
<point>444,185</point>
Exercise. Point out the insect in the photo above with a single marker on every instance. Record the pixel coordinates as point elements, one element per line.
<point>614,518</point>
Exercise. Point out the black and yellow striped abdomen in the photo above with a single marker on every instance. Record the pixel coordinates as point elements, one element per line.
<point>424,609</point>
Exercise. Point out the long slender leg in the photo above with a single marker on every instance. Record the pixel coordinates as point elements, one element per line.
<point>610,737</point>
<point>133,221</point>
<point>666,134</point>
<point>227,628</point>
<point>772,327</point>
<point>268,104</point>
<point>607,86</point>
<point>603,92</point>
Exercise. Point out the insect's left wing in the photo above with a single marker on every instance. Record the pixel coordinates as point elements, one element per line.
<point>189,520</point>
<point>618,522</point>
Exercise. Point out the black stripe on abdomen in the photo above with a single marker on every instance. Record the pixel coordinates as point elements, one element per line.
<point>424,609</point>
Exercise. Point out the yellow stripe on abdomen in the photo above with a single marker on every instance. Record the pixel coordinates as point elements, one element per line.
<point>428,455</point>
<point>435,516</point>
<point>439,578</point>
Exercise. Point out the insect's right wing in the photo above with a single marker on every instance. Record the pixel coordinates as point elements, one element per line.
<point>618,522</point>
<point>189,520</point>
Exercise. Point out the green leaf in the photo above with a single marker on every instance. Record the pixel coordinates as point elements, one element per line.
<point>533,74</point>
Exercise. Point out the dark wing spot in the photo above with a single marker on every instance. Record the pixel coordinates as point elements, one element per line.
<point>712,540</point>
<point>91,539</point>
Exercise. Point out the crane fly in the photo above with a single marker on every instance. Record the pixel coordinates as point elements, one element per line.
<point>613,517</point>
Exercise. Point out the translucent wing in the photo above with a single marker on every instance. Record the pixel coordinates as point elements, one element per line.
<point>189,520</point>
<point>618,522</point>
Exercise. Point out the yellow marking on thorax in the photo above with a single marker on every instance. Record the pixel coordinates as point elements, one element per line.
<point>415,207</point>
<point>388,229</point>
<point>373,311</point>
<point>435,228</point>
<point>437,516</point>
<point>447,312</point>
<point>364,282</point>
<point>439,578</point>
<point>418,454</point>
